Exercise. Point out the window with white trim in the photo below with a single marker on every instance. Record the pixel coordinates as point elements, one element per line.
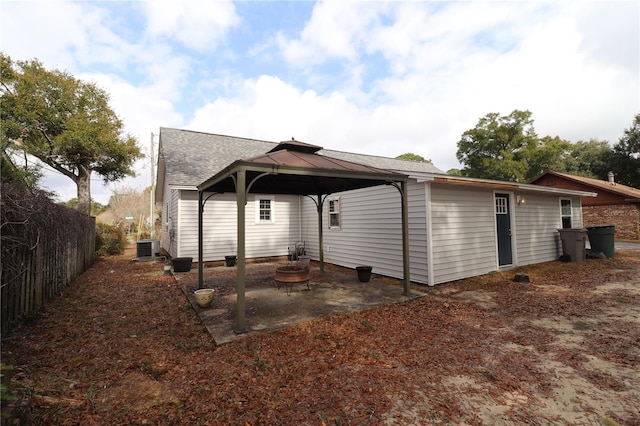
<point>565,212</point>
<point>334,213</point>
<point>501,205</point>
<point>265,209</point>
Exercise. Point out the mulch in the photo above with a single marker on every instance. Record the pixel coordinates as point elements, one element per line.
<point>122,345</point>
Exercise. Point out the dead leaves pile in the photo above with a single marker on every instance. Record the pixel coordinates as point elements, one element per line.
<point>122,345</point>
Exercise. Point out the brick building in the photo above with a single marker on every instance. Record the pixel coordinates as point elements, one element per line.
<point>615,204</point>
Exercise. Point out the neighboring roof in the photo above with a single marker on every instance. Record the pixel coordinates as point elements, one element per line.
<point>187,158</point>
<point>630,193</point>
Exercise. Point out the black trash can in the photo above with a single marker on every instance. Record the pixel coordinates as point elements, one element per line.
<point>601,239</point>
<point>182,264</point>
<point>573,243</point>
<point>364,273</point>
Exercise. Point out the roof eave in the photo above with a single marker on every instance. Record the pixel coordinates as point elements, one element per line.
<point>487,183</point>
<point>381,176</point>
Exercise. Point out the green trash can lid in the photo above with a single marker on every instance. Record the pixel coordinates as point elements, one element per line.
<point>601,226</point>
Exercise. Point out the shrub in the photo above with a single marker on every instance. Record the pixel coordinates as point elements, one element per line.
<point>109,239</point>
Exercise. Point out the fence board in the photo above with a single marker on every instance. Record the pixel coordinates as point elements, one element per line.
<point>44,247</point>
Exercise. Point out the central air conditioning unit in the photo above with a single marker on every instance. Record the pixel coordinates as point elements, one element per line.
<point>148,248</point>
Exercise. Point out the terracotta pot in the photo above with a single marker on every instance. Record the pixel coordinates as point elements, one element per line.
<point>204,297</point>
<point>292,274</point>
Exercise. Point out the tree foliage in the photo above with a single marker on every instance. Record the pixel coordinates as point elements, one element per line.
<point>626,155</point>
<point>66,123</point>
<point>498,147</point>
<point>96,207</point>
<point>507,148</point>
<point>413,157</point>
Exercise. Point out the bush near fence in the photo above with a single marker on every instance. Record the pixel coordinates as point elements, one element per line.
<point>44,247</point>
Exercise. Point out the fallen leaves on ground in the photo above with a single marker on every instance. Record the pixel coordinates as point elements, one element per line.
<point>122,345</point>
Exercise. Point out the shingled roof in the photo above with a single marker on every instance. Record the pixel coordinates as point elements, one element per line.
<point>186,158</point>
<point>629,193</point>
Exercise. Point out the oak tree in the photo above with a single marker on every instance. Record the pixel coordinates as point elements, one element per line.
<point>625,161</point>
<point>66,123</point>
<point>498,147</point>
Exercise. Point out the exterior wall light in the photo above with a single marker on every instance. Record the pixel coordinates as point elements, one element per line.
<point>521,200</point>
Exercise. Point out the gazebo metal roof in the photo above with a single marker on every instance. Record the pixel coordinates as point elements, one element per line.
<point>293,167</point>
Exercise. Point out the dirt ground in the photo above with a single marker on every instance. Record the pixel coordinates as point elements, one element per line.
<point>123,345</point>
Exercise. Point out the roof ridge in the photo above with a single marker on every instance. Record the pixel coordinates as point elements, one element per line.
<point>218,134</point>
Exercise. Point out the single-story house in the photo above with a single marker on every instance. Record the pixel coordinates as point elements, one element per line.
<point>614,204</point>
<point>458,227</point>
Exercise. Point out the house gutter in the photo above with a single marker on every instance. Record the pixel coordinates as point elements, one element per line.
<point>487,183</point>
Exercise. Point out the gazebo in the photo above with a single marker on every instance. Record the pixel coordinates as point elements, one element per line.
<point>293,168</point>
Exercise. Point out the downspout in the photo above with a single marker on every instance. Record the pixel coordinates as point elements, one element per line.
<point>406,266</point>
<point>320,235</point>
<point>300,218</point>
<point>430,263</point>
<point>405,237</point>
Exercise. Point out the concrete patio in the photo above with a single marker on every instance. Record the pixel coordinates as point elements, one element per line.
<point>269,307</point>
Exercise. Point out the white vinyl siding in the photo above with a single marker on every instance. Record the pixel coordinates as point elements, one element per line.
<point>538,221</point>
<point>220,226</point>
<point>371,231</point>
<point>461,219</point>
<point>170,220</point>
<point>463,226</point>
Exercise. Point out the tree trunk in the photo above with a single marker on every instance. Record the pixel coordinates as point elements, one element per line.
<point>84,190</point>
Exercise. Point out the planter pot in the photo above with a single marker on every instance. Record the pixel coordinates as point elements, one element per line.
<point>304,261</point>
<point>364,273</point>
<point>181,264</point>
<point>230,260</point>
<point>204,297</point>
<point>292,274</point>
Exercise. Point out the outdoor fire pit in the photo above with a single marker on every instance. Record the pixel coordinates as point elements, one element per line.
<point>292,274</point>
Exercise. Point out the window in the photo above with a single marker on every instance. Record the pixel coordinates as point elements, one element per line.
<point>334,214</point>
<point>501,205</point>
<point>265,211</point>
<point>565,213</point>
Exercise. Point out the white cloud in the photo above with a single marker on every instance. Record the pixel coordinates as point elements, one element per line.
<point>452,63</point>
<point>198,24</point>
<point>610,36</point>
<point>336,29</point>
<point>381,78</point>
<point>29,32</point>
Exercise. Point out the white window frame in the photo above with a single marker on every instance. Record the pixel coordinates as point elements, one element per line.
<point>258,209</point>
<point>501,208</point>
<point>331,203</point>
<point>563,215</point>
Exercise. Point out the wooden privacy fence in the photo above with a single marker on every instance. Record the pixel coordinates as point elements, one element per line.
<point>44,247</point>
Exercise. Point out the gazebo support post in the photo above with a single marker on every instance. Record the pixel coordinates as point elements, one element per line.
<point>241,197</point>
<point>320,235</point>
<point>200,244</point>
<point>405,237</point>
